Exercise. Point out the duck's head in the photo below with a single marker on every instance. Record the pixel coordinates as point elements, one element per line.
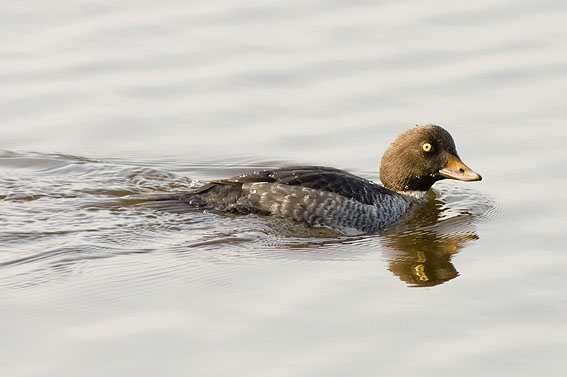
<point>420,157</point>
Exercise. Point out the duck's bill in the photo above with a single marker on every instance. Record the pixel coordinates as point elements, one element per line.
<point>456,169</point>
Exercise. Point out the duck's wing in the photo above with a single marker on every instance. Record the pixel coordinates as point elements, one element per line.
<point>316,177</point>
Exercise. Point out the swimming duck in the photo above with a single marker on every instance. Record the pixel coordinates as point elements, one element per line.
<point>336,199</point>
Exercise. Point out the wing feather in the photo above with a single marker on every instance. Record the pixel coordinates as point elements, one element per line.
<point>316,177</point>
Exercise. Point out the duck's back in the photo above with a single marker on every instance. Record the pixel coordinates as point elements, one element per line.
<point>319,196</point>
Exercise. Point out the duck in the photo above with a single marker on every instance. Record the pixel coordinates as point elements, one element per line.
<point>336,199</point>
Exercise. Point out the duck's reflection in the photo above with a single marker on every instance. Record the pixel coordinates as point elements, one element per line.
<point>420,248</point>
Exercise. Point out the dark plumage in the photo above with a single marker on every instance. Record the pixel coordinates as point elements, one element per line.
<point>336,199</point>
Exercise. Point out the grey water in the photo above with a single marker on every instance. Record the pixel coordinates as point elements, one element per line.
<point>101,101</point>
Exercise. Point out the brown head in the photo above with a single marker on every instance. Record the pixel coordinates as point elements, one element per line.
<point>420,157</point>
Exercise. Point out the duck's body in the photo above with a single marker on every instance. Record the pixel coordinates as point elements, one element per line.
<point>334,198</point>
<point>319,196</point>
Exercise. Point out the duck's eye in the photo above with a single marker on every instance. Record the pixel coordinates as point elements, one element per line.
<point>427,147</point>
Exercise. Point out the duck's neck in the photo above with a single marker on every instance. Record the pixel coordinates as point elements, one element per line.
<point>413,194</point>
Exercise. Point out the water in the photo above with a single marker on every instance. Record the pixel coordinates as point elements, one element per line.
<point>101,101</point>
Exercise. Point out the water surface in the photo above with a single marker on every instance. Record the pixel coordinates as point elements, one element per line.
<point>102,101</point>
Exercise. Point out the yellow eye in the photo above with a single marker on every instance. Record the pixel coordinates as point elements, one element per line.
<point>427,147</point>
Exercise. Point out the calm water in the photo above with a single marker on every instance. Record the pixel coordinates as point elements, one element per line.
<point>103,100</point>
